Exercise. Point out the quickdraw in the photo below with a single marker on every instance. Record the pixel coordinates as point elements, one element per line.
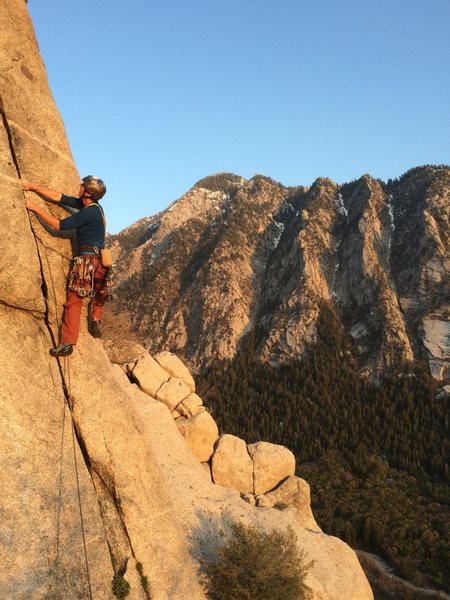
<point>83,275</point>
<point>81,279</point>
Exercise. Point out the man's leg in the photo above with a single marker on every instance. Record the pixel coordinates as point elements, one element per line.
<point>97,307</point>
<point>98,301</point>
<point>70,326</point>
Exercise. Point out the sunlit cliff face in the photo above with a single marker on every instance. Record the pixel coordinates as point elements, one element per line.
<point>232,256</point>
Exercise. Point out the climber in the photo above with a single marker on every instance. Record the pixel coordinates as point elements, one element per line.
<point>88,276</point>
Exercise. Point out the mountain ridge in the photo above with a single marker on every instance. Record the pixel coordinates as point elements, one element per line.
<point>265,255</point>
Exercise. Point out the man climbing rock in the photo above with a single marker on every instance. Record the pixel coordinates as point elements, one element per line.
<point>88,275</point>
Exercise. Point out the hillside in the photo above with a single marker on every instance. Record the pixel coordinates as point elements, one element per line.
<point>233,256</point>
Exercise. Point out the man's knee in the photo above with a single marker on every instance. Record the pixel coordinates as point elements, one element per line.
<point>73,300</point>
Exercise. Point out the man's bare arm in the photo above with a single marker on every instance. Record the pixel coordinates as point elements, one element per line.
<point>49,219</point>
<point>46,193</point>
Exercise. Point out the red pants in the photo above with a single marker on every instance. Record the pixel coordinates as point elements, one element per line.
<point>70,326</point>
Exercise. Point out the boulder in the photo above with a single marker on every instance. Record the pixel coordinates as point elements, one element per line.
<point>121,352</point>
<point>263,501</point>
<point>172,392</point>
<point>271,464</point>
<point>173,365</point>
<point>200,433</point>
<point>294,491</point>
<point>249,498</point>
<point>192,404</point>
<point>148,374</point>
<point>231,464</point>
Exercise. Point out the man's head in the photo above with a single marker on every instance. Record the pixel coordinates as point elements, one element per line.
<point>94,187</point>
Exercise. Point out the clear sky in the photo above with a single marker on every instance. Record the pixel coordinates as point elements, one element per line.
<point>156,94</point>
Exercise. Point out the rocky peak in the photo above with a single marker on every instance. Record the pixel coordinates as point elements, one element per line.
<point>379,252</point>
<point>221,182</point>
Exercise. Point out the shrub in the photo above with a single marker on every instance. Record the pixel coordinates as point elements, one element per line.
<point>255,565</point>
<point>120,587</point>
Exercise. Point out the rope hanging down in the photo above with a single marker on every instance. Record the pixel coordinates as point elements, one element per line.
<point>55,566</point>
<point>69,402</point>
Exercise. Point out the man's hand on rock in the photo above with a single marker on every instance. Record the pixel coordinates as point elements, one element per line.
<point>31,205</point>
<point>46,193</point>
<point>25,184</point>
<point>43,214</point>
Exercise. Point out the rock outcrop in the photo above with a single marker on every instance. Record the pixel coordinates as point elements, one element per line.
<point>271,464</point>
<point>294,492</point>
<point>231,464</point>
<point>252,469</point>
<point>200,433</point>
<point>256,256</point>
<point>143,493</point>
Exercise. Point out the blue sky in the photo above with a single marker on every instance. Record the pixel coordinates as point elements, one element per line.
<point>156,94</point>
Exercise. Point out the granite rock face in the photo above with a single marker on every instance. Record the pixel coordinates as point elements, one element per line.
<point>144,495</point>
<point>171,363</point>
<point>41,535</point>
<point>232,256</point>
<point>149,375</point>
<point>200,433</point>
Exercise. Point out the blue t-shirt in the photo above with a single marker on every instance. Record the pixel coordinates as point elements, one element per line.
<point>88,222</point>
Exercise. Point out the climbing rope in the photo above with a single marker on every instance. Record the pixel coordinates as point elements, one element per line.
<point>70,402</point>
<point>68,258</point>
<point>54,568</point>
<point>69,399</point>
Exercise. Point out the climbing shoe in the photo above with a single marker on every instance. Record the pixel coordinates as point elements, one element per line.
<point>62,350</point>
<point>96,329</point>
